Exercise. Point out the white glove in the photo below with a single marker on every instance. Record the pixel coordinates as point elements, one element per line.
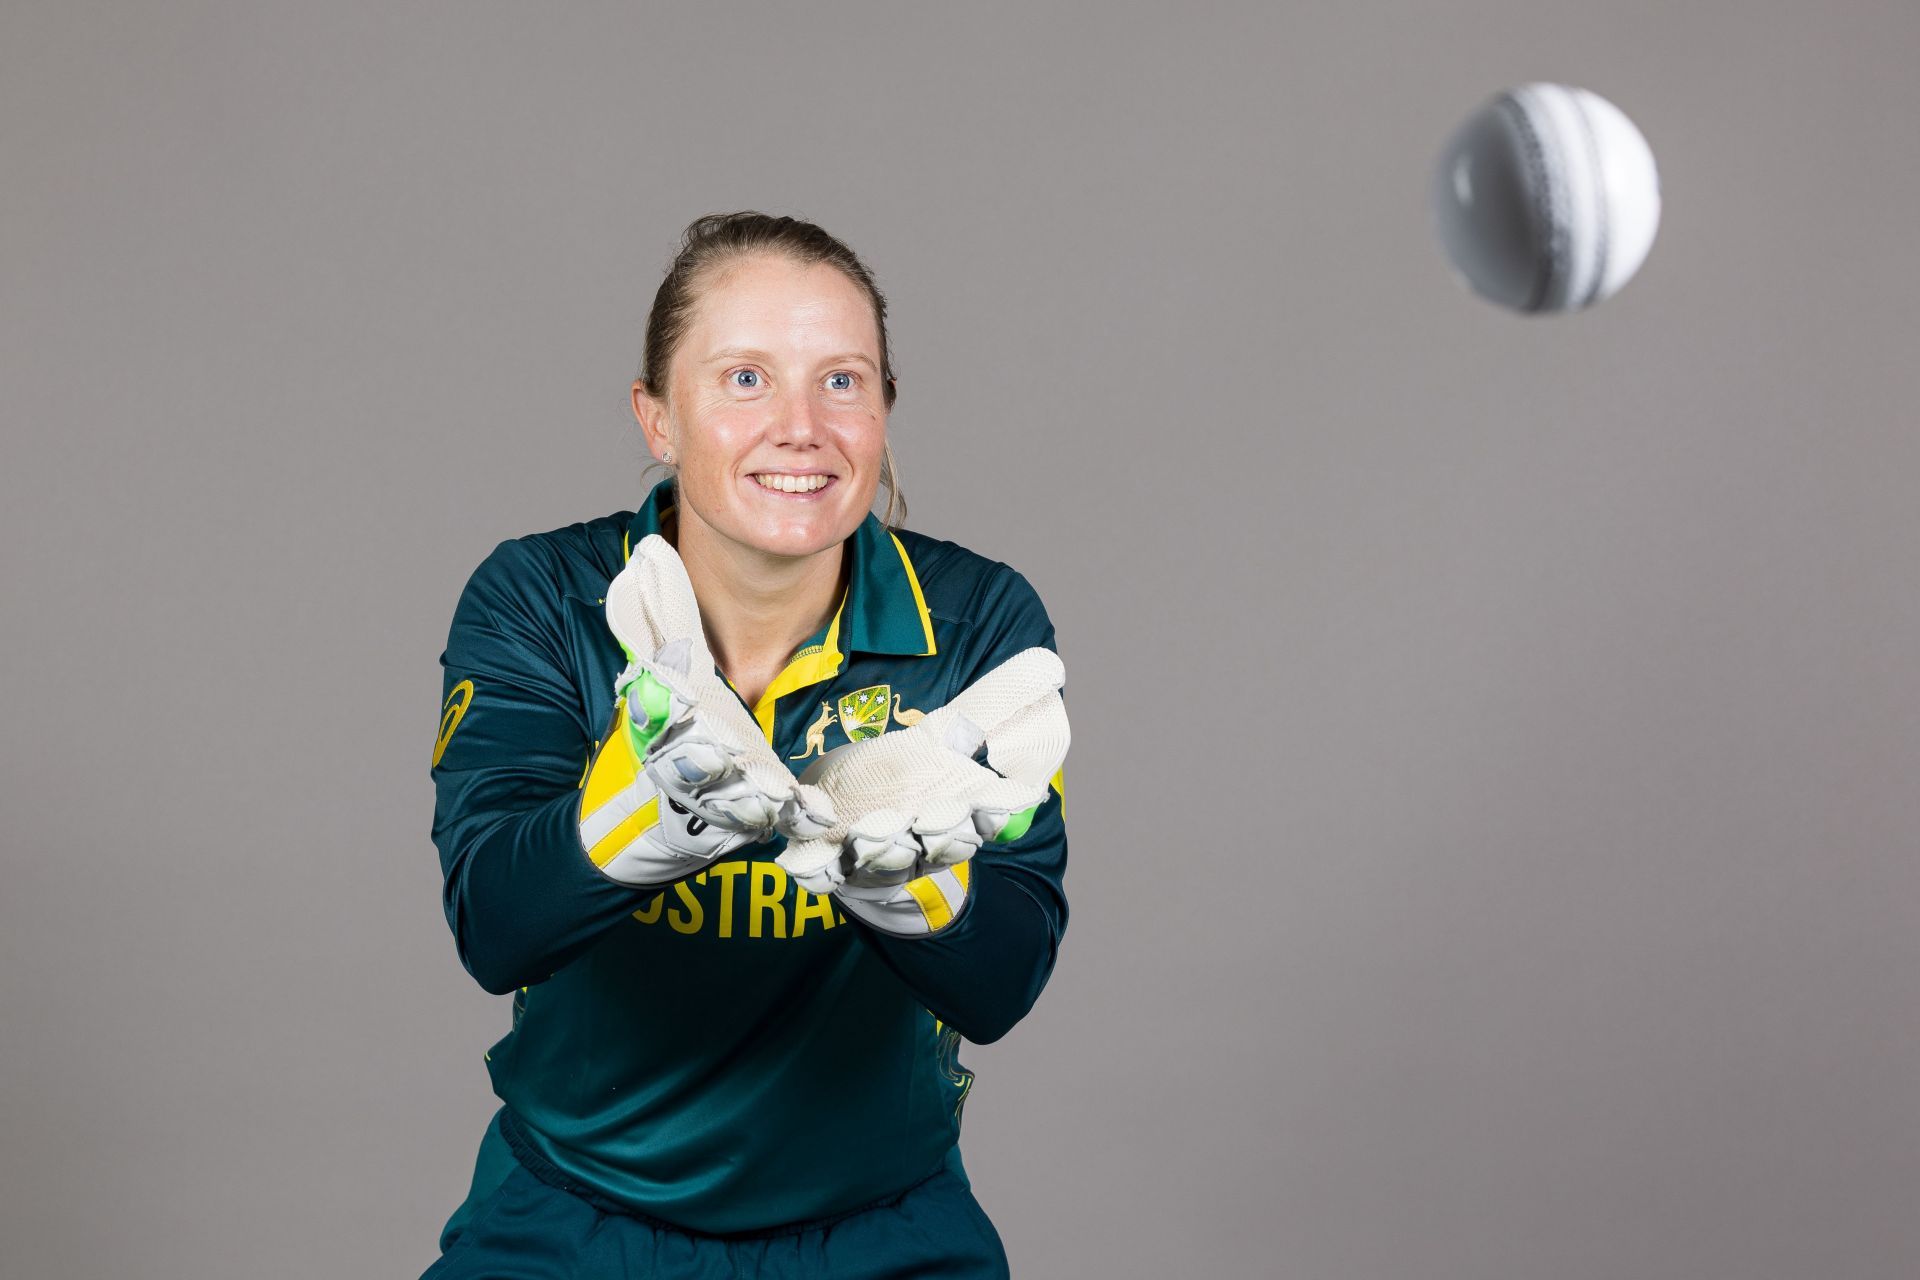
<point>886,823</point>
<point>685,777</point>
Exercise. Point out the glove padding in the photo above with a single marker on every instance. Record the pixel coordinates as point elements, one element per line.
<point>872,816</point>
<point>689,778</point>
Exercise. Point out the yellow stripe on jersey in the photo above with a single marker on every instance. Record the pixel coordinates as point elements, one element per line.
<point>919,600</point>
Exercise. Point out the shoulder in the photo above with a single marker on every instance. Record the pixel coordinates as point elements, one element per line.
<point>954,578</point>
<point>529,575</point>
<point>983,609</point>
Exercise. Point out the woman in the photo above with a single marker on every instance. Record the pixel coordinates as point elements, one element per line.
<point>730,1072</point>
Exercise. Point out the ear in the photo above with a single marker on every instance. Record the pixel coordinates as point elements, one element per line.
<point>652,416</point>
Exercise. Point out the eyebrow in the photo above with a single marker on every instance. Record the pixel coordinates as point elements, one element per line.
<point>749,353</point>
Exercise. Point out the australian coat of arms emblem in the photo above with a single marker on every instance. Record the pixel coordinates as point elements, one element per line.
<point>864,712</point>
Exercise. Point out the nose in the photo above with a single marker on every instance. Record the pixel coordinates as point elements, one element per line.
<point>797,421</point>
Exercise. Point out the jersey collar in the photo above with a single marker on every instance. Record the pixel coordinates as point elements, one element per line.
<point>883,611</point>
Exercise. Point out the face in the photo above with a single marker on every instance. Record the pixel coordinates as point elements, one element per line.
<point>775,412</point>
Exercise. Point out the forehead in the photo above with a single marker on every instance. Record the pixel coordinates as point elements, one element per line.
<point>773,302</point>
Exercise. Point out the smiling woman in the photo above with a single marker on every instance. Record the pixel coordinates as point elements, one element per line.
<point>710,1056</point>
<point>773,405</point>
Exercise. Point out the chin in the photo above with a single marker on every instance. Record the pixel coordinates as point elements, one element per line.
<point>797,527</point>
<point>798,539</point>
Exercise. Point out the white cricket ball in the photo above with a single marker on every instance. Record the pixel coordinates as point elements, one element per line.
<point>1546,199</point>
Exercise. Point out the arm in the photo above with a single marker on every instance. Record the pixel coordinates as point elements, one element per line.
<point>982,970</point>
<point>520,894</point>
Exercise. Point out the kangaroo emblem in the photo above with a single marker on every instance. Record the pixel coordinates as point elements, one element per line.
<point>906,715</point>
<point>817,734</point>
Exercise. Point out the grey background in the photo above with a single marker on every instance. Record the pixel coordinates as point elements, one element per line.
<point>1492,799</point>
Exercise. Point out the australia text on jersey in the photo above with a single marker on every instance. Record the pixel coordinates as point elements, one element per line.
<point>741,899</point>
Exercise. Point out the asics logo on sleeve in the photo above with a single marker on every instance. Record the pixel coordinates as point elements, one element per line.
<point>450,717</point>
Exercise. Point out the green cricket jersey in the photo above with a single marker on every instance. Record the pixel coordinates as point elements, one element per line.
<point>731,1053</point>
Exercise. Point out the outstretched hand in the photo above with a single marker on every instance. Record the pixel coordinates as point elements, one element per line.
<point>871,816</point>
<point>685,777</point>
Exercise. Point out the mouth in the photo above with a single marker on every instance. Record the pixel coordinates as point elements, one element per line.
<point>793,486</point>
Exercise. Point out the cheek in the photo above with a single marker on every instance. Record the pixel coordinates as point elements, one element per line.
<point>862,434</point>
<point>716,432</point>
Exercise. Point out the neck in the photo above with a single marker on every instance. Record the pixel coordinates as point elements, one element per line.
<point>755,608</point>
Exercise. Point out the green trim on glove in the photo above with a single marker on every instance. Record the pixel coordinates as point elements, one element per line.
<point>1016,825</point>
<point>646,694</point>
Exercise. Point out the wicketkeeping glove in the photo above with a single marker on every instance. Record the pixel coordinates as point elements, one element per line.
<point>884,824</point>
<point>685,777</point>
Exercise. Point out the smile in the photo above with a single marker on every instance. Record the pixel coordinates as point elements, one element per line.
<point>779,483</point>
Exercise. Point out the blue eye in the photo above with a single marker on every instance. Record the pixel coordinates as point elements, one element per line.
<point>840,381</point>
<point>745,378</point>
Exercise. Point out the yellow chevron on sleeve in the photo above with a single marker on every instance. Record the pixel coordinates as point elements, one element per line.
<point>636,824</point>
<point>614,769</point>
<point>933,903</point>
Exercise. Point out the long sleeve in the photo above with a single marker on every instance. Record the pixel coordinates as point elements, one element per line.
<point>983,972</point>
<point>520,895</point>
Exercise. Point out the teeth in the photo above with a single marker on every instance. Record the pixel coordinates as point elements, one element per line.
<point>790,484</point>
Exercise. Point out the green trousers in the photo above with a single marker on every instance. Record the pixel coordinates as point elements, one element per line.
<point>526,1227</point>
